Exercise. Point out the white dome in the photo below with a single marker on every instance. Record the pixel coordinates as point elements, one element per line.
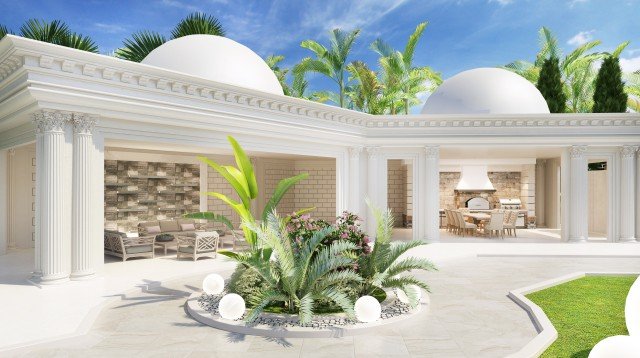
<point>486,90</point>
<point>217,59</point>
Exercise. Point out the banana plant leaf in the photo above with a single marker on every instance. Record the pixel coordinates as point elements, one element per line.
<point>281,189</point>
<point>244,213</point>
<point>238,183</point>
<point>245,166</point>
<point>210,216</point>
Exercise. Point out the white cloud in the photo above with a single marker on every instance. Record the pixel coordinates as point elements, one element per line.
<point>110,28</point>
<point>502,2</point>
<point>180,5</point>
<point>630,64</point>
<point>581,38</point>
<point>573,3</point>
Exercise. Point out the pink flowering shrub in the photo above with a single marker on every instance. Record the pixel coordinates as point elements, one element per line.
<point>347,227</point>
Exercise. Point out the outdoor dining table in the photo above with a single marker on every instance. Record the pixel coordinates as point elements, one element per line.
<point>477,217</point>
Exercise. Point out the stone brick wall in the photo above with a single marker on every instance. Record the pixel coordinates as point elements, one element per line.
<point>448,182</point>
<point>138,191</point>
<point>274,172</point>
<point>507,185</point>
<point>318,190</point>
<point>409,188</point>
<point>216,183</point>
<point>396,190</point>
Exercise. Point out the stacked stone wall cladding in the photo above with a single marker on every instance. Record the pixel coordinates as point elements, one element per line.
<point>397,190</point>
<point>138,191</point>
<point>319,190</point>
<point>507,185</point>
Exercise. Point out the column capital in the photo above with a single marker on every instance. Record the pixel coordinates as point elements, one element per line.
<point>354,152</point>
<point>12,152</point>
<point>577,151</point>
<point>374,152</point>
<point>50,121</point>
<point>83,123</point>
<point>432,151</point>
<point>628,151</point>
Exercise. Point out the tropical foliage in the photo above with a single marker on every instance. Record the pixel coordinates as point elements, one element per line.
<point>243,181</point>
<point>609,95</point>
<point>402,80</point>
<point>305,266</point>
<point>550,85</point>
<point>55,32</point>
<point>385,268</point>
<point>577,68</point>
<point>143,42</point>
<point>632,87</point>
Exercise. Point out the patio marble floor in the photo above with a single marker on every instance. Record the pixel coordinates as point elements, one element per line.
<point>470,316</point>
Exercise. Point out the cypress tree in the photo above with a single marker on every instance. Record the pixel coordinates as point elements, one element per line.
<point>550,85</point>
<point>609,95</point>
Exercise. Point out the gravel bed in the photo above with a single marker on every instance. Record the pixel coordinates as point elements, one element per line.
<point>396,308</point>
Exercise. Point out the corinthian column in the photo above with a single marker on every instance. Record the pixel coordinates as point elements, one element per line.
<point>578,203</point>
<point>82,265</point>
<point>432,193</point>
<point>51,206</point>
<point>627,193</point>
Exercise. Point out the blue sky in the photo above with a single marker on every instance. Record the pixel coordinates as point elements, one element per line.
<point>461,34</point>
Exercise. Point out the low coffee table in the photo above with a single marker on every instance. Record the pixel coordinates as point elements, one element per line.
<point>166,245</point>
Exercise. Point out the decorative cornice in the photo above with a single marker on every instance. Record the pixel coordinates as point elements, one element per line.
<point>83,123</point>
<point>432,151</point>
<point>99,68</point>
<point>354,152</point>
<point>628,151</point>
<point>50,121</point>
<point>577,151</point>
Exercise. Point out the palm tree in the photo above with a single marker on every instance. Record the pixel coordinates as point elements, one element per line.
<point>273,61</point>
<point>142,43</point>
<point>367,94</point>
<point>4,30</point>
<point>402,79</point>
<point>577,68</point>
<point>331,62</point>
<point>55,32</point>
<point>632,87</point>
<point>198,23</point>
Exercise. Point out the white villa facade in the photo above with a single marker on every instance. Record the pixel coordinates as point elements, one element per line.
<point>68,118</point>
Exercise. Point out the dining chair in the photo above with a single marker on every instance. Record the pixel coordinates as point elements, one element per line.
<point>464,225</point>
<point>496,223</point>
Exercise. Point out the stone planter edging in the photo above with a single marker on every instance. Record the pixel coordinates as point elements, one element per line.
<point>215,321</point>
<point>547,333</point>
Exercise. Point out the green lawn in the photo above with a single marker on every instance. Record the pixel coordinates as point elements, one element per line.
<point>584,311</point>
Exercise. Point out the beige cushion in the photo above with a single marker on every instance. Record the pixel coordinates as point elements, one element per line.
<point>188,227</point>
<point>186,221</point>
<point>142,227</point>
<point>169,225</point>
<point>153,229</point>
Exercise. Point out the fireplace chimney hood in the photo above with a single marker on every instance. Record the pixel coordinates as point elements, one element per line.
<point>474,178</point>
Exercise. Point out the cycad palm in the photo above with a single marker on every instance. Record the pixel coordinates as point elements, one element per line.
<point>55,32</point>
<point>403,81</point>
<point>142,43</point>
<point>384,267</point>
<point>332,61</point>
<point>299,279</point>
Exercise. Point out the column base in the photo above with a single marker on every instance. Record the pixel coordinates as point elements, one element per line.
<point>40,281</point>
<point>628,240</point>
<point>577,240</point>
<point>82,276</point>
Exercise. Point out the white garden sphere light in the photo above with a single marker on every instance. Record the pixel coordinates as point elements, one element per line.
<point>231,306</point>
<point>213,284</point>
<point>402,296</point>
<point>616,346</point>
<point>367,309</point>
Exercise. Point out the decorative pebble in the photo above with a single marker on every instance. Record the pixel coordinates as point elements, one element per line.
<point>210,303</point>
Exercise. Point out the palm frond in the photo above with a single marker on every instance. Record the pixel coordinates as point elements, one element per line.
<point>408,264</point>
<point>412,43</point>
<point>340,298</point>
<point>198,23</point>
<point>4,31</point>
<point>262,300</point>
<point>79,42</point>
<point>140,45</point>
